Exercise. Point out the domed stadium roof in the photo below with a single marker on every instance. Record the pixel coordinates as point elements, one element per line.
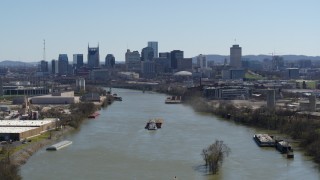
<point>183,73</point>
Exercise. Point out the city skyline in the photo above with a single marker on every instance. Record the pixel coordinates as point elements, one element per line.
<point>202,27</point>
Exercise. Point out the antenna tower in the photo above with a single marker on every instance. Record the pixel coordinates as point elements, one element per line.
<point>44,49</point>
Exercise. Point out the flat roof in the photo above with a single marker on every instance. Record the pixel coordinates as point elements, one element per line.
<point>25,123</point>
<point>4,130</point>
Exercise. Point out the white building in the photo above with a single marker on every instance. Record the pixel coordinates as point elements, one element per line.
<point>202,61</point>
<point>154,45</point>
<point>81,84</point>
<point>133,62</point>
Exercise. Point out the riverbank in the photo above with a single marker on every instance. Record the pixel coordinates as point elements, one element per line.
<point>301,129</point>
<point>21,156</point>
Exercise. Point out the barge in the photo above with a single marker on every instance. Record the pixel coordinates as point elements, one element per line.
<point>264,140</point>
<point>59,145</point>
<point>173,100</point>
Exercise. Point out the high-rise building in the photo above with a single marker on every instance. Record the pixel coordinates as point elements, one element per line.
<point>54,66</point>
<point>184,64</point>
<point>235,56</point>
<point>93,57</point>
<point>147,54</point>
<point>133,62</point>
<point>154,46</point>
<point>63,64</point>
<point>202,61</point>
<point>174,56</point>
<point>78,60</point>
<point>162,65</point>
<point>164,55</point>
<point>148,69</point>
<point>44,66</point>
<point>110,61</point>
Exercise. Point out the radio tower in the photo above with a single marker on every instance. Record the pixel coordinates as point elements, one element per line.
<point>44,49</point>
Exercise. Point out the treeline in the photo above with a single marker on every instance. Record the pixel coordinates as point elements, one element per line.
<point>8,170</point>
<point>302,128</point>
<point>78,112</point>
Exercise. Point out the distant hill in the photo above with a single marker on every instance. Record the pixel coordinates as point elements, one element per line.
<point>220,58</point>
<point>10,63</point>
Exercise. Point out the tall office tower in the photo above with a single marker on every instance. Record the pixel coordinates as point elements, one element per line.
<point>164,55</point>
<point>44,66</point>
<point>110,61</point>
<point>184,64</point>
<point>235,56</point>
<point>54,66</point>
<point>202,61</point>
<point>63,64</point>
<point>147,54</point>
<point>175,55</point>
<point>78,60</point>
<point>133,62</point>
<point>154,46</point>
<point>93,57</point>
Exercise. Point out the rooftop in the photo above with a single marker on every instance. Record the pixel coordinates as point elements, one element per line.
<point>25,123</point>
<point>15,129</point>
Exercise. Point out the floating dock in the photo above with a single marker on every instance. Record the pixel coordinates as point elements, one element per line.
<point>59,145</point>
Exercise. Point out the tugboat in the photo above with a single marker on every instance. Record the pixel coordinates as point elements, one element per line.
<point>116,97</point>
<point>285,148</point>
<point>151,125</point>
<point>93,115</point>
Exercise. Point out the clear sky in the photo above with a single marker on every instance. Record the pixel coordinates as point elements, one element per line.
<point>194,26</point>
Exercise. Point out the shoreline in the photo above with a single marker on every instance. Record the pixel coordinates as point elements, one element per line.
<point>21,157</point>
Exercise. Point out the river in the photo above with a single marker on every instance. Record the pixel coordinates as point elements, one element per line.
<point>116,146</point>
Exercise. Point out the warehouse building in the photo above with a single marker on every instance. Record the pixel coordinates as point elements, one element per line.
<point>17,130</point>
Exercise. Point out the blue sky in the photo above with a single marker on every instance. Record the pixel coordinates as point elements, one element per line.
<point>196,27</point>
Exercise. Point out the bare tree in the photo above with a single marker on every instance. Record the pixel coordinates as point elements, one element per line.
<point>214,154</point>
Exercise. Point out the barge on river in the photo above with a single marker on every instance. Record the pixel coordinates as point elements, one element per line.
<point>264,140</point>
<point>173,100</point>
<point>59,145</point>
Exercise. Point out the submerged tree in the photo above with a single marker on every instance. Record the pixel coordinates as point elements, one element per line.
<point>214,154</point>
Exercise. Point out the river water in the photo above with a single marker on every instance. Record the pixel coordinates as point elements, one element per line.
<point>116,146</point>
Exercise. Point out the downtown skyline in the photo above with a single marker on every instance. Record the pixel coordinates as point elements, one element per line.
<point>202,27</point>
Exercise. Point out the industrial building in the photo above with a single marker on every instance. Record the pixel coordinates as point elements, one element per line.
<point>17,130</point>
<point>231,92</point>
<point>55,98</point>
